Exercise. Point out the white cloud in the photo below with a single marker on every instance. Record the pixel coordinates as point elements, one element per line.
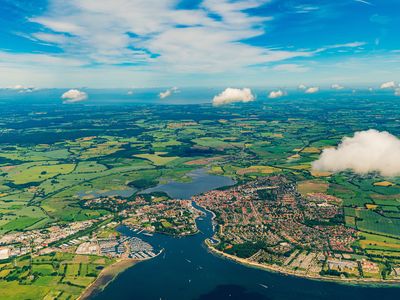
<point>24,59</point>
<point>388,85</point>
<point>312,90</point>
<point>364,2</point>
<point>276,94</point>
<point>159,44</point>
<point>73,96</point>
<point>27,90</point>
<point>157,34</point>
<point>21,88</point>
<point>305,9</point>
<point>50,38</point>
<point>165,94</point>
<point>231,95</point>
<point>336,86</point>
<point>347,45</point>
<point>168,92</point>
<point>17,87</point>
<point>295,68</point>
<point>367,151</point>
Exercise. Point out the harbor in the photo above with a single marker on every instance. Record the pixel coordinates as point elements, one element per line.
<point>187,270</point>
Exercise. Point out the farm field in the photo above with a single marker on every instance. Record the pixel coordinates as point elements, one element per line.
<point>54,276</point>
<point>49,169</point>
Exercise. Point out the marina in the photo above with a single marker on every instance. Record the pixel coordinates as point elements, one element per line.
<point>171,276</point>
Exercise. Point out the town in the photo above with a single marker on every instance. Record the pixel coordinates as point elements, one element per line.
<point>45,240</point>
<point>83,238</point>
<point>265,222</point>
<point>147,213</point>
<point>153,213</point>
<point>268,222</point>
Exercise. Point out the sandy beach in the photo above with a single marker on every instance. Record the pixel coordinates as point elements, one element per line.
<point>106,276</point>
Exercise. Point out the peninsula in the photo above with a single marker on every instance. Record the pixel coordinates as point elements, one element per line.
<point>268,223</point>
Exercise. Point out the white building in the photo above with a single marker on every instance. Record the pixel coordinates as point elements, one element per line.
<point>5,253</point>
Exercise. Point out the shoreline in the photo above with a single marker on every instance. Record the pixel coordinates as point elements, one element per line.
<point>106,276</point>
<point>371,282</point>
<point>109,274</point>
<point>163,233</point>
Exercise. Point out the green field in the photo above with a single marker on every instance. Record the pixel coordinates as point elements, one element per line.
<point>53,162</point>
<point>379,242</point>
<point>34,172</point>
<point>52,276</point>
<point>370,221</point>
<point>157,159</point>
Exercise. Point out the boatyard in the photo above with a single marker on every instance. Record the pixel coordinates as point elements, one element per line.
<point>118,247</point>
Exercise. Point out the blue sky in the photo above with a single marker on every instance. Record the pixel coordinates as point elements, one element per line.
<point>136,43</point>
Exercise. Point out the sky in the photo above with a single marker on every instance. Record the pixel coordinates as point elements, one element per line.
<point>190,43</point>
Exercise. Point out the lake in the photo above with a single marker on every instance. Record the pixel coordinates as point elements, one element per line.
<point>201,182</point>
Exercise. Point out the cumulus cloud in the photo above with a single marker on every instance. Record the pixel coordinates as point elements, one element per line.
<point>165,94</point>
<point>21,88</point>
<point>276,94</point>
<point>336,86</point>
<point>168,93</point>
<point>312,90</point>
<point>17,87</point>
<point>231,95</point>
<point>367,151</point>
<point>73,96</point>
<point>388,85</point>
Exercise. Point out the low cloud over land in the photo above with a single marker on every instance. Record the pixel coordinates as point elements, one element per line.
<point>336,86</point>
<point>388,85</point>
<point>21,89</point>
<point>312,90</point>
<point>276,94</point>
<point>367,151</point>
<point>73,96</point>
<point>168,93</point>
<point>231,95</point>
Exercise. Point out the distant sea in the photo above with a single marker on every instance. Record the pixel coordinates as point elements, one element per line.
<point>181,96</point>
